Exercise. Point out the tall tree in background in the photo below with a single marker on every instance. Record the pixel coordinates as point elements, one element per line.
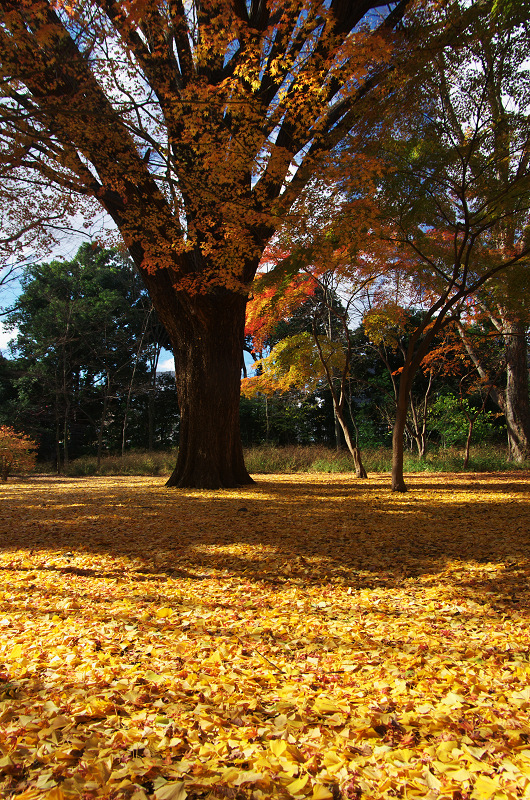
<point>508,313</point>
<point>451,172</point>
<point>307,358</point>
<point>458,201</point>
<point>78,324</point>
<point>195,125</point>
<point>497,75</point>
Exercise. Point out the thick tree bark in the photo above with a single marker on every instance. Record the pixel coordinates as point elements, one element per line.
<point>206,328</point>
<point>207,341</point>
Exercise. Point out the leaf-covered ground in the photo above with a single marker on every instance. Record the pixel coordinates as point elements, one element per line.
<point>308,637</point>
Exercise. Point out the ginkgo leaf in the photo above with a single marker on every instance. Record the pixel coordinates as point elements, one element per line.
<point>278,746</point>
<point>298,785</point>
<point>432,781</point>
<point>323,705</point>
<point>460,775</point>
<point>321,792</point>
<point>56,794</point>
<point>139,794</point>
<point>175,790</point>
<point>163,612</point>
<point>248,777</point>
<point>485,787</point>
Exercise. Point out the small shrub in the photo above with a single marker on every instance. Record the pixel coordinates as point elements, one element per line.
<point>483,458</point>
<point>492,459</point>
<point>17,452</point>
<point>333,461</point>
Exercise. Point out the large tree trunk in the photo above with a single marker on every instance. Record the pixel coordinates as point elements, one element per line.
<point>206,327</point>
<point>207,343</point>
<point>517,409</point>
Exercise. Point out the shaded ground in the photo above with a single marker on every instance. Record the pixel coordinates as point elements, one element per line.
<point>309,636</point>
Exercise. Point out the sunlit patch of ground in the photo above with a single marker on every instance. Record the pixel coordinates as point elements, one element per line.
<point>308,637</point>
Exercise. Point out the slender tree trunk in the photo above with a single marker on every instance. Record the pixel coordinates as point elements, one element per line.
<point>421,445</point>
<point>151,394</point>
<point>471,423</point>
<point>406,378</point>
<point>354,450</point>
<point>402,405</point>
<point>66,454</point>
<point>207,343</point>
<point>129,391</point>
<point>513,402</point>
<point>103,419</point>
<point>267,420</point>
<point>338,427</point>
<point>401,398</point>
<point>58,443</point>
<point>517,409</point>
<point>151,419</point>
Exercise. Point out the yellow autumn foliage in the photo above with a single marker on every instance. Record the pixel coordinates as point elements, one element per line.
<point>294,362</point>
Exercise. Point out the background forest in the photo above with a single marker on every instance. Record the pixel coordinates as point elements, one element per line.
<point>81,379</point>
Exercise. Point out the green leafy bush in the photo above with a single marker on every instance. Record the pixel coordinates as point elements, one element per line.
<point>448,418</point>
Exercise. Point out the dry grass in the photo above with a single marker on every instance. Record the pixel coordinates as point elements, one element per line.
<point>268,459</point>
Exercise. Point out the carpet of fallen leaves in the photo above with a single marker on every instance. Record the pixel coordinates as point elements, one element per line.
<point>307,637</point>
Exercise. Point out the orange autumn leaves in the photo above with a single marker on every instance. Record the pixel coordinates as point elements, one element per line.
<point>18,452</point>
<point>308,637</point>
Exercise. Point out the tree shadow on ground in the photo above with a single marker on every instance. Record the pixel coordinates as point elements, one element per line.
<point>308,528</point>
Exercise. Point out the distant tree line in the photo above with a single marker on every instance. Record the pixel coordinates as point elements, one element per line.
<point>82,378</point>
<point>83,373</point>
